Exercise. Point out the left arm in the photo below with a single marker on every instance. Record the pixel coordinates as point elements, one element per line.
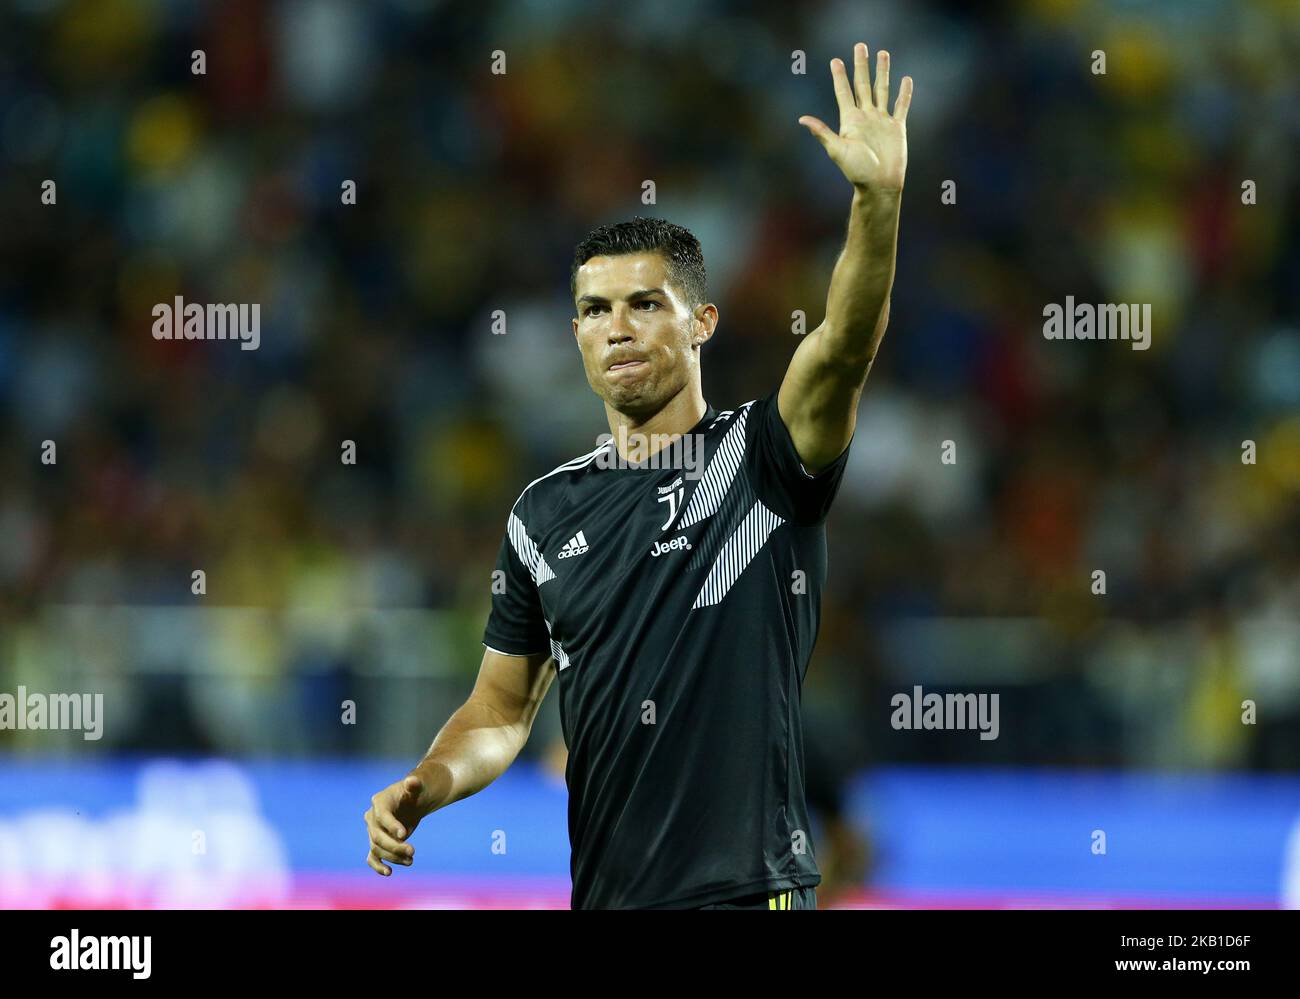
<point>819,395</point>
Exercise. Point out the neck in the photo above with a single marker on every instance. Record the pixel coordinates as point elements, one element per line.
<point>656,430</point>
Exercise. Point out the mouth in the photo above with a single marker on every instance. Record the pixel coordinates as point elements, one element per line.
<point>626,365</point>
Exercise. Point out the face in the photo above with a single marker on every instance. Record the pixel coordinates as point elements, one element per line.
<point>638,336</point>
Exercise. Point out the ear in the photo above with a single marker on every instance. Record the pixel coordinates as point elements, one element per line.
<point>706,321</point>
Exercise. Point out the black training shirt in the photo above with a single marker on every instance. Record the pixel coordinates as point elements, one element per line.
<point>680,605</point>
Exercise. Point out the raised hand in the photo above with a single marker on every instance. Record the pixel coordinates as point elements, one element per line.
<point>871,145</point>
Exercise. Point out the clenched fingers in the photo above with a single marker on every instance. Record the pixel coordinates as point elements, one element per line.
<point>377,867</point>
<point>388,846</point>
<point>387,821</point>
<point>382,840</point>
<point>393,857</point>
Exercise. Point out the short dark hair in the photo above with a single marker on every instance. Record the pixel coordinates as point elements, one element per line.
<point>641,235</point>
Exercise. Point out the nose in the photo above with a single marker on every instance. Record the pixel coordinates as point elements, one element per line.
<point>620,330</point>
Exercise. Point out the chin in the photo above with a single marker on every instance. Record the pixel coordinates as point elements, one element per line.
<point>621,397</point>
<point>633,400</point>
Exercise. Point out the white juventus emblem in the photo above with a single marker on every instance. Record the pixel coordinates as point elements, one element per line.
<point>674,500</point>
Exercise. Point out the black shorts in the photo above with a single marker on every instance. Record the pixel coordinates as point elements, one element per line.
<point>790,898</point>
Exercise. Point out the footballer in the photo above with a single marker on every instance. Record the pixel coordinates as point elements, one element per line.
<point>675,608</point>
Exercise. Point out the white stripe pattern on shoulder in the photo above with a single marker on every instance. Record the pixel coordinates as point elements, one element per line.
<point>527,552</point>
<point>720,473</point>
<point>737,553</point>
<point>519,539</point>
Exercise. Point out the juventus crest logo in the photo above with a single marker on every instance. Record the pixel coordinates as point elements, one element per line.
<point>672,495</point>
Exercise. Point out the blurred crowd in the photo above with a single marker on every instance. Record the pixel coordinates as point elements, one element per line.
<point>327,581</point>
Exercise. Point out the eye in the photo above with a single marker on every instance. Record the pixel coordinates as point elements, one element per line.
<point>588,310</point>
<point>648,302</point>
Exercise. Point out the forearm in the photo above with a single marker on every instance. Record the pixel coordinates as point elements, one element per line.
<point>473,749</point>
<point>857,304</point>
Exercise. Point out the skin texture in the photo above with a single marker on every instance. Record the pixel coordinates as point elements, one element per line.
<point>479,741</point>
<point>628,310</point>
<point>819,396</point>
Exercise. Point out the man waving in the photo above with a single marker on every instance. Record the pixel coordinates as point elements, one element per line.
<point>676,607</point>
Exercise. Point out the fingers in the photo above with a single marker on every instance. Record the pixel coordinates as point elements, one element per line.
<point>818,128</point>
<point>862,94</point>
<point>861,75</point>
<point>380,837</point>
<point>843,93</point>
<point>412,789</point>
<point>386,831</point>
<point>904,99</point>
<point>375,861</point>
<point>377,867</point>
<point>383,844</point>
<point>882,81</point>
<point>388,822</point>
<point>384,841</point>
<point>393,857</point>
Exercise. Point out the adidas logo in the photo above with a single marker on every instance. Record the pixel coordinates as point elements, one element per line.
<point>575,546</point>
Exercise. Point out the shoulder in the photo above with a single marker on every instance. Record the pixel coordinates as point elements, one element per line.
<point>746,422</point>
<point>543,489</point>
<point>734,421</point>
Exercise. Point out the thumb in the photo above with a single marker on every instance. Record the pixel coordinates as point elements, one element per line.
<point>818,128</point>
<point>412,787</point>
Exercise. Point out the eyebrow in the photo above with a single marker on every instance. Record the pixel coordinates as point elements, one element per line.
<point>635,296</point>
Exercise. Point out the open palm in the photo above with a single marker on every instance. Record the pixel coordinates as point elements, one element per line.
<point>871,145</point>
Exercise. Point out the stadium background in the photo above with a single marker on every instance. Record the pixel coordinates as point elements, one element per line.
<point>369,583</point>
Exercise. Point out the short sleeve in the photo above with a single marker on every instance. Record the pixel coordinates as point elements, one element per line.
<point>516,625</point>
<point>776,473</point>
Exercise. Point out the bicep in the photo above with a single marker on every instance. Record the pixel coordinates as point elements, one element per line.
<point>513,687</point>
<point>818,401</point>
